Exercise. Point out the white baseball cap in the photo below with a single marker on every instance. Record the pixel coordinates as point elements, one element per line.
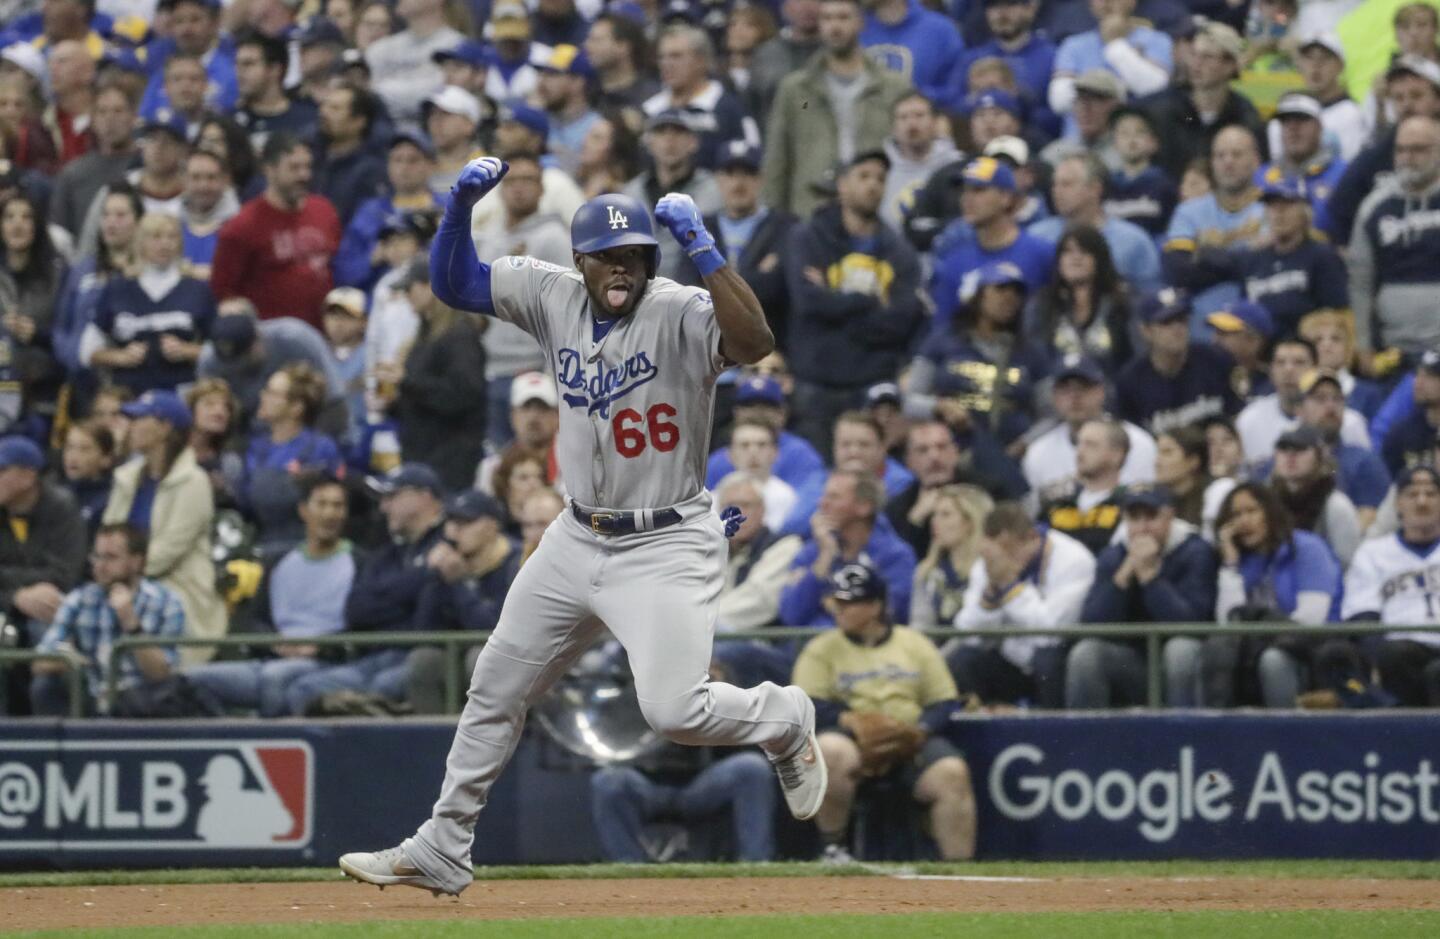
<point>533,386</point>
<point>1007,146</point>
<point>453,99</point>
<point>1326,39</point>
<point>27,57</point>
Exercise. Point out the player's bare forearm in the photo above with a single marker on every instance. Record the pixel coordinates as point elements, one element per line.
<point>745,336</point>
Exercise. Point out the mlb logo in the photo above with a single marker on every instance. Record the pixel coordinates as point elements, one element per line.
<point>211,795</point>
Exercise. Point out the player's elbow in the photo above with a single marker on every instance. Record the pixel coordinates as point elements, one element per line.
<point>749,349</point>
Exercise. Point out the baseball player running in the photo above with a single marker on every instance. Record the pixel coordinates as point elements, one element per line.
<point>640,550</point>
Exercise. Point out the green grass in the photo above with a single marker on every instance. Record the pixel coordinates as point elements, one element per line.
<point>1269,925</point>
<point>1391,870</point>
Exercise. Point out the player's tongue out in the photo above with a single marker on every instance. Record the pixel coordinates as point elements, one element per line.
<point>617,296</point>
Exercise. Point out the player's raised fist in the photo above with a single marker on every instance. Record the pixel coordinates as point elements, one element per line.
<point>679,213</point>
<point>479,177</point>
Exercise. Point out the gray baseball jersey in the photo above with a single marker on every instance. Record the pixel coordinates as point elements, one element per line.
<point>635,407</point>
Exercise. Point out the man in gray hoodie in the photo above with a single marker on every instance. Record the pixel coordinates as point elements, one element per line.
<point>916,148</point>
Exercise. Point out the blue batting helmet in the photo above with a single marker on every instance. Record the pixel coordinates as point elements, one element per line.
<point>612,221</point>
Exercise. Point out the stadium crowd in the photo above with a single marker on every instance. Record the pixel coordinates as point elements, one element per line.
<point>1088,311</point>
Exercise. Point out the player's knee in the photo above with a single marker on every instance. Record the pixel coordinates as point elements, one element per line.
<point>679,719</point>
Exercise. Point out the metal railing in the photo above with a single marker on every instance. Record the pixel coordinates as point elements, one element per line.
<point>1153,635</point>
<point>75,691</point>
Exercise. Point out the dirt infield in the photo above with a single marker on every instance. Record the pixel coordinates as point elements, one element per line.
<point>342,901</point>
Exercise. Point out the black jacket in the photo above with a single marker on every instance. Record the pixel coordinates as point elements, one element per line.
<point>1186,136</point>
<point>846,338</point>
<point>770,239</point>
<point>440,411</point>
<point>54,548</point>
<point>386,592</point>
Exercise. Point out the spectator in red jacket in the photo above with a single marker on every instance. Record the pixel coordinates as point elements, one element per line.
<point>276,252</point>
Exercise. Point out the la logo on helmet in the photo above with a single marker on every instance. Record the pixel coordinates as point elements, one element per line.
<point>617,218</point>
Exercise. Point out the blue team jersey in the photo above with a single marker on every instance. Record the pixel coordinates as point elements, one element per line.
<point>1147,199</point>
<point>959,257</point>
<point>1203,222</point>
<point>925,48</point>
<point>1312,277</point>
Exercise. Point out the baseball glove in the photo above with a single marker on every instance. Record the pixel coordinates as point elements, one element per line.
<point>883,741</point>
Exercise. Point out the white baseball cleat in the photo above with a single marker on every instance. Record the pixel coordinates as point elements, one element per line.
<point>802,773</point>
<point>388,868</point>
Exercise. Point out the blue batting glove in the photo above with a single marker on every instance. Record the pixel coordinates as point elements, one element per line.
<point>730,515</point>
<point>679,213</point>
<point>477,178</point>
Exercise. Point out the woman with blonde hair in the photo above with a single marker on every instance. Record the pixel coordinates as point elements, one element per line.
<point>941,578</point>
<point>1332,333</point>
<point>149,328</point>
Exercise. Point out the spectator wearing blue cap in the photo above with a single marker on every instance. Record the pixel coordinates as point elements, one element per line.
<point>1015,40</point>
<point>386,591</point>
<point>467,66</point>
<point>918,146</point>
<point>1205,229</point>
<point>811,127</point>
<point>112,122</point>
<point>760,398</point>
<point>922,46</point>
<point>564,93</point>
<point>991,114</point>
<point>166,494</point>
<point>1161,571</point>
<point>42,537</point>
<point>673,144</point>
<point>1296,273</point>
<point>751,235</point>
<point>471,569</point>
<point>1305,154</point>
<point>523,129</point>
<point>986,234</point>
<point>686,58</point>
<point>1175,381</point>
<point>1128,47</point>
<point>402,71</point>
<point>1077,396</point>
<point>854,286</point>
<point>194,30</point>
<point>347,171</point>
<point>410,163</point>
<point>1244,329</point>
<point>263,106</point>
<point>1077,193</point>
<point>979,372</point>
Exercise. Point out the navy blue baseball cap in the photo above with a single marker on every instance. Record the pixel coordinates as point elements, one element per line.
<point>738,153</point>
<point>757,389</point>
<point>233,335</point>
<point>21,451</point>
<point>856,583</point>
<point>670,117</point>
<point>161,405</point>
<point>321,30</point>
<point>1082,367</point>
<point>988,172</point>
<point>1146,497</point>
<point>417,139</point>
<point>566,59</point>
<point>1164,306</point>
<point>165,121</point>
<point>1000,274</point>
<point>1243,314</point>
<point>993,98</point>
<point>408,476</point>
<point>473,505</point>
<point>521,113</point>
<point>469,51</point>
<point>125,59</point>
